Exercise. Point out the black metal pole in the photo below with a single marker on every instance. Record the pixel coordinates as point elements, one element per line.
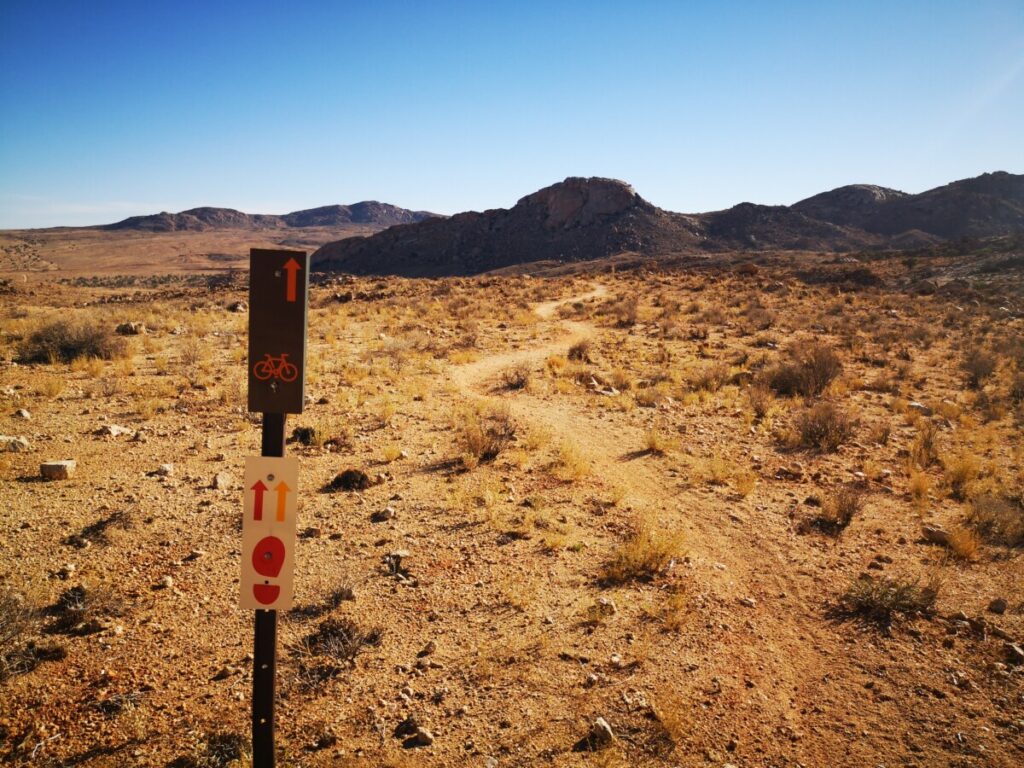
<point>264,654</point>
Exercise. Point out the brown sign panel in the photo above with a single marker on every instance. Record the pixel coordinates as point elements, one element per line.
<point>278,291</point>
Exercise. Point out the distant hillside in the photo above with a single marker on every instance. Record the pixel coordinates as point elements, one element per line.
<point>989,205</point>
<point>591,218</point>
<point>368,212</point>
<point>575,219</point>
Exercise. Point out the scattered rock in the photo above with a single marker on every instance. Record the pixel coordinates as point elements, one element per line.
<point>921,408</point>
<point>164,470</point>
<point>14,444</point>
<point>310,533</point>
<point>22,414</point>
<point>165,583</point>
<point>222,481</point>
<point>58,470</point>
<point>112,430</point>
<point>383,515</point>
<point>998,605</point>
<point>238,306</point>
<point>749,602</point>
<point>130,329</point>
<point>600,736</point>
<point>350,480</point>
<point>195,554</point>
<point>935,534</point>
<point>427,649</point>
<point>225,672</point>
<point>422,738</point>
<point>1014,653</point>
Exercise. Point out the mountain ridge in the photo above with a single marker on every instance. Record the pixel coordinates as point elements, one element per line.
<point>583,218</point>
<point>205,218</point>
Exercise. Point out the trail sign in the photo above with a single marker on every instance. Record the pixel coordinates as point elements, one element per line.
<point>268,532</point>
<point>278,308</point>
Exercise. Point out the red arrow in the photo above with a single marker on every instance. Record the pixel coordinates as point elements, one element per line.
<point>257,506</point>
<point>293,268</point>
<point>282,495</point>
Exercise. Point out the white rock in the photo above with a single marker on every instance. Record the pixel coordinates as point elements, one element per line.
<point>10,444</point>
<point>58,470</point>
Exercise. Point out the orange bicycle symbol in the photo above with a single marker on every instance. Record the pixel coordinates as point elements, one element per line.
<point>275,368</point>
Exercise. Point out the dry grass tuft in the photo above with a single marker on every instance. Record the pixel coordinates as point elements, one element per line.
<point>484,433</point>
<point>645,553</point>
<point>964,543</point>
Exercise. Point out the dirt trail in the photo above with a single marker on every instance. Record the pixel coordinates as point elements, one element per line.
<point>739,562</point>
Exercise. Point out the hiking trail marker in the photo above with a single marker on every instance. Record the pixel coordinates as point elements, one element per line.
<point>268,532</point>
<point>278,309</point>
<point>278,288</point>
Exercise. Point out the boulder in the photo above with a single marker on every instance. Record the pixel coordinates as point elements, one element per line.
<point>58,470</point>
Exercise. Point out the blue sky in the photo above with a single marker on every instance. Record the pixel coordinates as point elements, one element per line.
<point>110,109</point>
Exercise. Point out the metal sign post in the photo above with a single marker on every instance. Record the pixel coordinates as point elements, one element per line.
<point>278,306</point>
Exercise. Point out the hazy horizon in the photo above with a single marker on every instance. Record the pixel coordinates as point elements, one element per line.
<point>117,110</point>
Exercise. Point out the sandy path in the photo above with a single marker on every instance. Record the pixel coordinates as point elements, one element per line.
<point>782,639</point>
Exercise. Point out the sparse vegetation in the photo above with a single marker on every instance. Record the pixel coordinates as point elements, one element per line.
<point>824,427</point>
<point>65,341</point>
<point>809,368</point>
<point>644,554</point>
<point>484,433</point>
<point>882,599</point>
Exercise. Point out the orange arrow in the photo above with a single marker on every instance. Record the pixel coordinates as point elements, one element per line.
<point>293,268</point>
<point>282,495</point>
<point>257,506</point>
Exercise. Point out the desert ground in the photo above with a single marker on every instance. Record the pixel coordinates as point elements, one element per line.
<point>689,516</point>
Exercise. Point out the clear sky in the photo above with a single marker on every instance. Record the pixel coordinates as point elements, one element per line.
<point>109,109</point>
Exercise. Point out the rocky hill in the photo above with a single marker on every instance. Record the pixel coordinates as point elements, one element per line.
<point>368,212</point>
<point>592,218</point>
<point>575,219</point>
<point>989,205</point>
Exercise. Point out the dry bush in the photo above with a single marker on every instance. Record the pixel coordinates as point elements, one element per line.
<point>580,351</point>
<point>710,378</point>
<point>658,442</point>
<point>919,486</point>
<point>961,470</point>
<point>979,365</point>
<point>65,341</point>
<point>964,543</point>
<point>80,610</point>
<point>824,427</point>
<point>839,509</point>
<point>626,312</point>
<point>924,451</point>
<point>881,600</point>
<point>744,481</point>
<point>999,520</point>
<point>811,367</point>
<point>516,378</point>
<point>644,554</point>
<point>484,433</point>
<point>761,400</point>
<point>572,464</point>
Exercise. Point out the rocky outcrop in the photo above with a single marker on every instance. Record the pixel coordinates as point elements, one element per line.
<point>576,219</point>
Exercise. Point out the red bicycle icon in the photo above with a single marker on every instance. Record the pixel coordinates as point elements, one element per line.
<point>275,368</point>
